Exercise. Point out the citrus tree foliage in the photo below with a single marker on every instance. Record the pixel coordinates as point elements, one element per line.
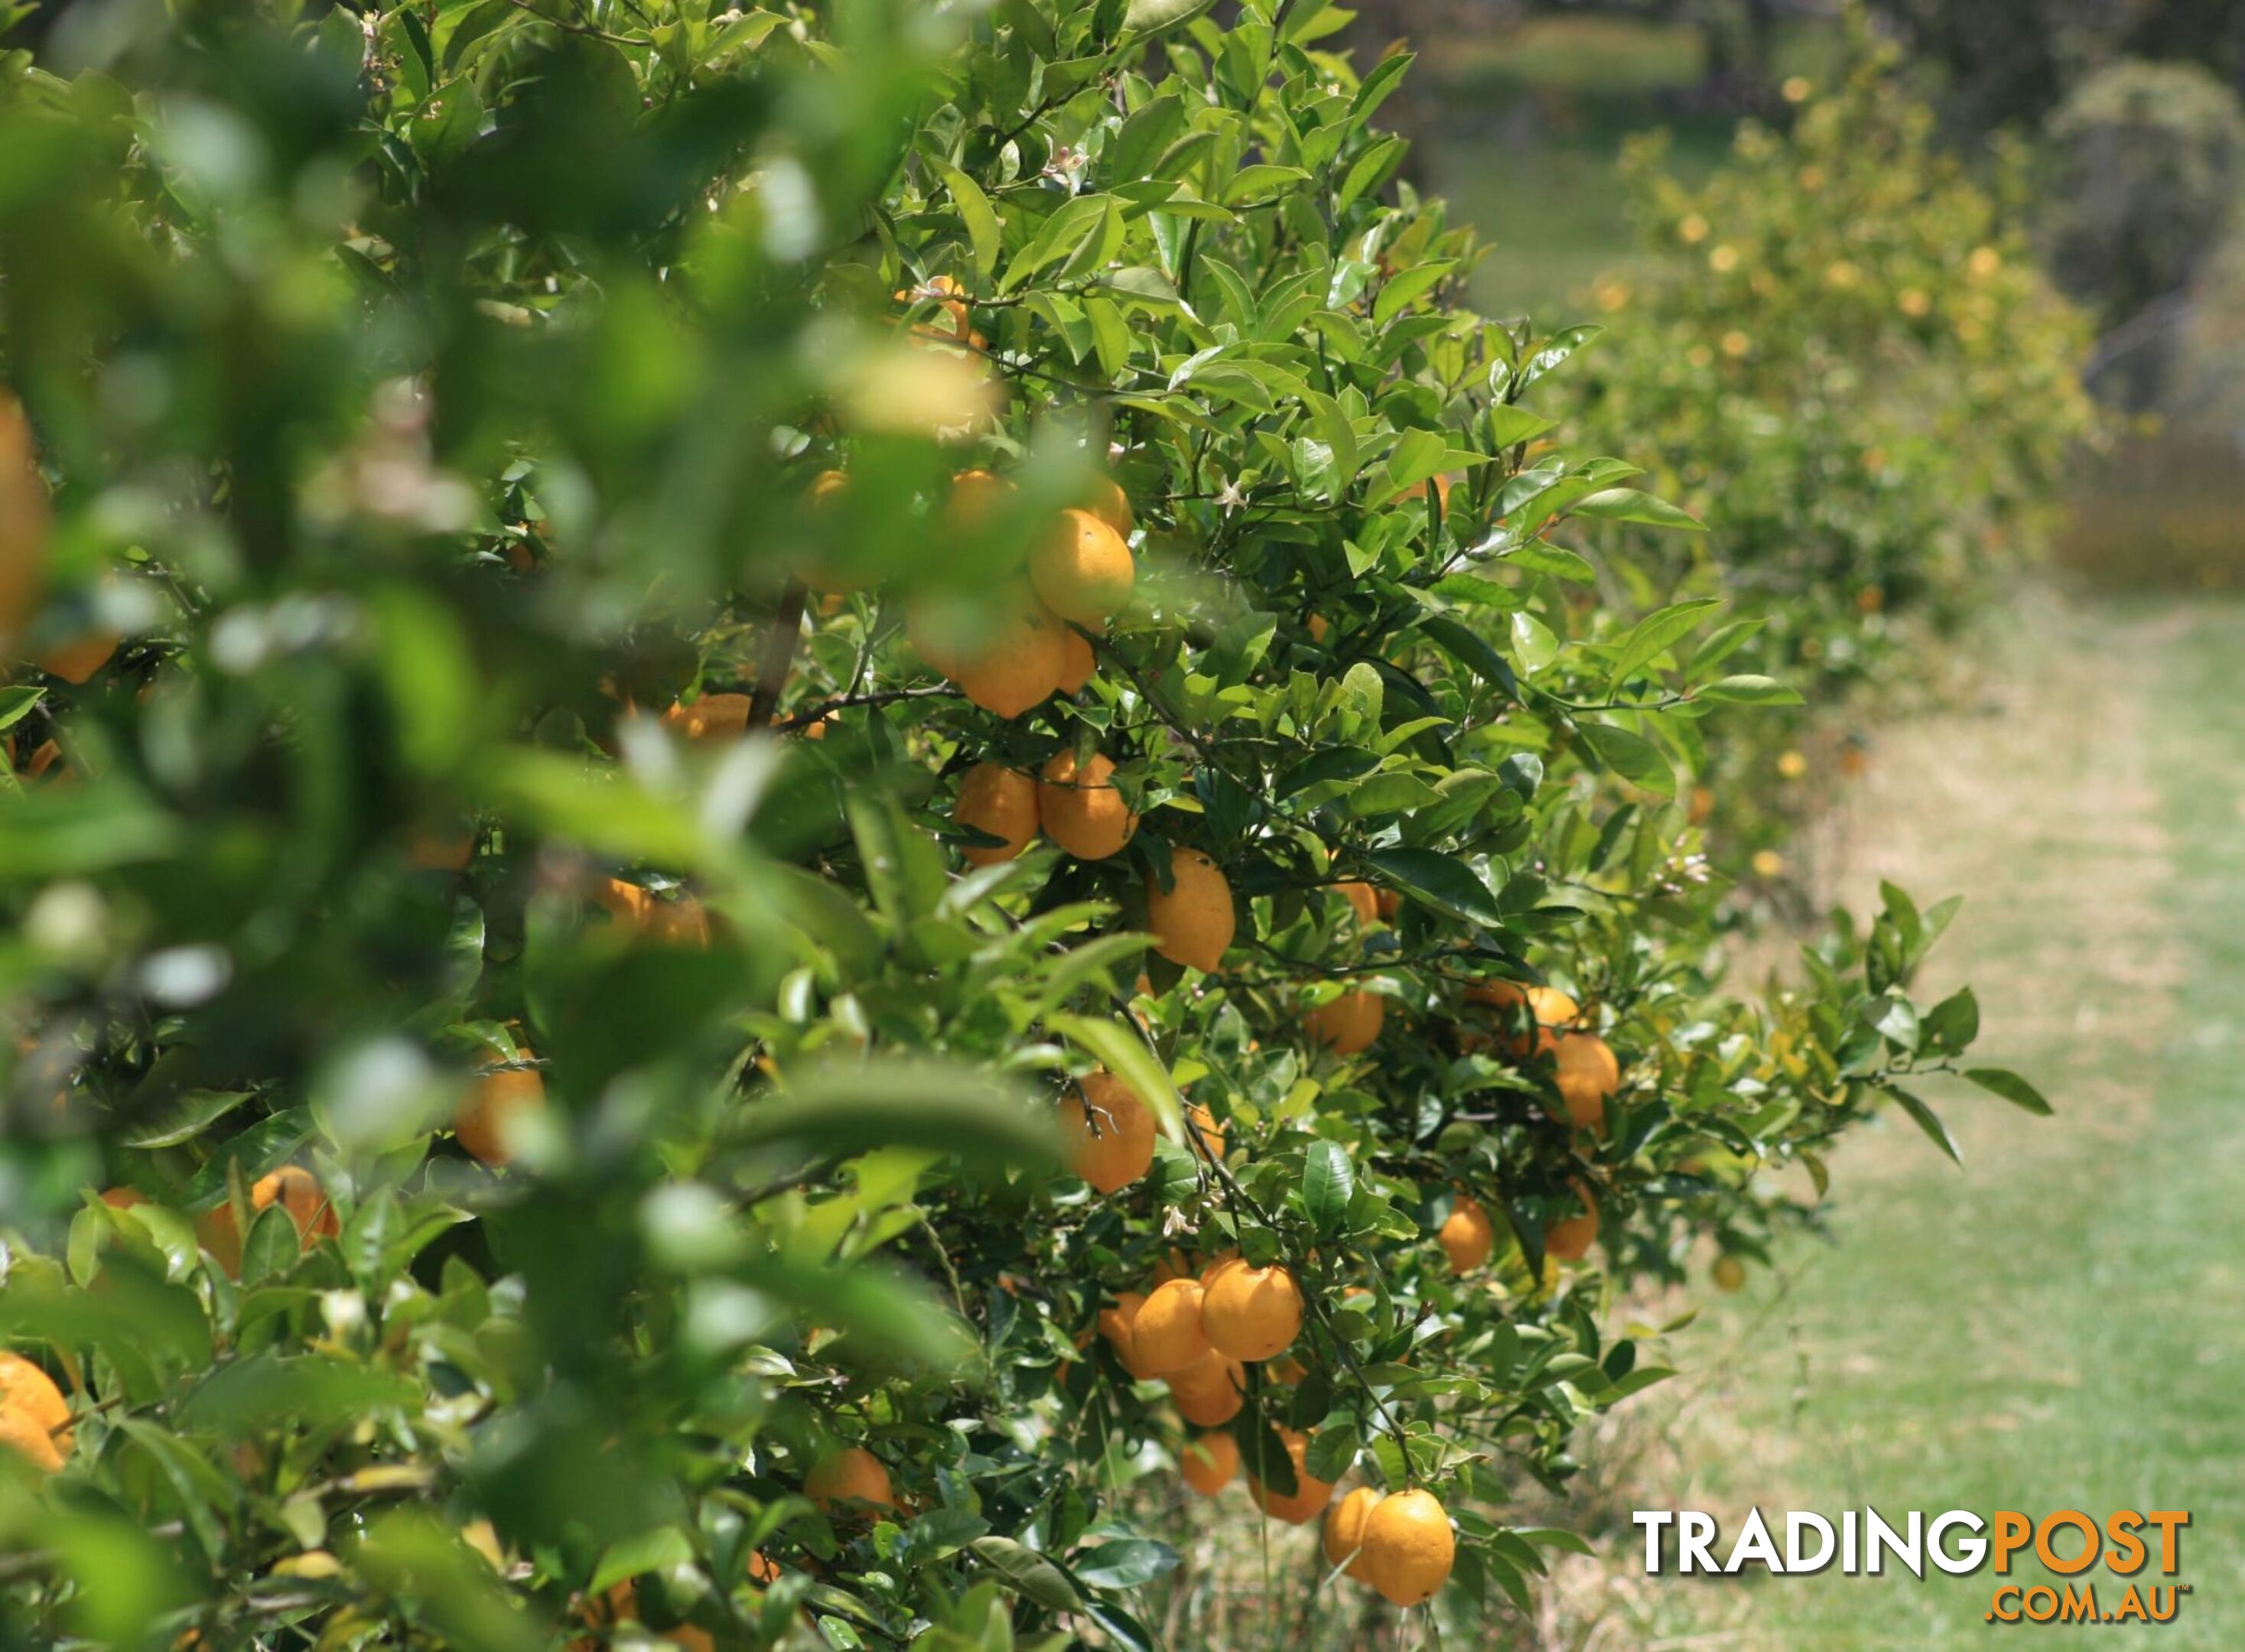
<point>1846,362</point>
<point>503,1148</point>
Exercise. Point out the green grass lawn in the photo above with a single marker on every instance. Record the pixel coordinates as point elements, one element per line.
<point>2060,1325</point>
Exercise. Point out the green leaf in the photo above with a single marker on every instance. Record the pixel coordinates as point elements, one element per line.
<point>1629,505</point>
<point>1442,881</point>
<point>983,230</point>
<point>1653,635</point>
<point>1634,758</point>
<point>1028,1572</point>
<point>185,1117</point>
<point>1927,1120</point>
<point>1124,1563</point>
<point>1328,1180</point>
<point>2013,1088</point>
<point>901,1103</point>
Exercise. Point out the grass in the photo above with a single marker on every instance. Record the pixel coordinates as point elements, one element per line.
<point>2056,1326</point>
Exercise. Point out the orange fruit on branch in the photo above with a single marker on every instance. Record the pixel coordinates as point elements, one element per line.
<point>1585,1069</point>
<point>1208,1462</point>
<point>1408,1547</point>
<point>485,1119</point>
<point>1118,1325</point>
<point>1078,662</point>
<point>1081,809</point>
<point>1109,1131</point>
<point>1107,501</point>
<point>1344,1532</point>
<point>1310,1496</point>
<point>34,1416</point>
<point>1083,569</point>
<point>1193,922</point>
<point>1466,1236</point>
<point>1349,1024</point>
<point>1017,666</point>
<point>1210,1392</point>
<point>1363,900</point>
<point>851,1476</point>
<point>1001,801</point>
<point>1535,1013</point>
<point>1570,1238</point>
<point>1251,1313</point>
<point>710,717</point>
<point>1166,1335</point>
<point>1204,1134</point>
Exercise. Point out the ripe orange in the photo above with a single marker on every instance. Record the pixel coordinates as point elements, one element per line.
<point>677,920</point>
<point>621,1605</point>
<point>33,1414</point>
<point>1110,504</point>
<point>1193,923</point>
<point>1210,1392</point>
<point>1019,664</point>
<point>957,323</point>
<point>1310,1497</point>
<point>1078,662</point>
<point>1549,1008</point>
<point>25,517</point>
<point>296,1190</point>
<point>1118,1325</point>
<point>1167,1333</point>
<point>1083,569</point>
<point>1002,802</point>
<point>1209,1462</point>
<point>1209,1143</point>
<point>77,659</point>
<point>1349,1024</point>
<point>1466,1236</point>
<point>816,576</point>
<point>487,1114</point>
<point>1251,1313</point>
<point>1569,1239</point>
<point>1390,903</point>
<point>1587,1074</point>
<point>1408,1547</point>
<point>761,1569</point>
<point>852,1475</point>
<point>1109,1131</point>
<point>976,497</point>
<point>1320,627</point>
<point>1344,1533</point>
<point>1362,900</point>
<point>1081,809</point>
<point>710,717</point>
<point>123,1198</point>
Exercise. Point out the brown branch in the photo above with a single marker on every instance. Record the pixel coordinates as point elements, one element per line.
<point>779,652</point>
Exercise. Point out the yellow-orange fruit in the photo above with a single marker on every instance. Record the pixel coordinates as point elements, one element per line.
<point>492,1102</point>
<point>1466,1236</point>
<point>1362,900</point>
<point>1083,569</point>
<point>678,920</point>
<point>34,1416</point>
<point>1344,1532</point>
<point>296,1190</point>
<point>1078,662</point>
<point>1208,1142</point>
<point>1320,627</point>
<point>1118,1325</point>
<point>1002,802</point>
<point>1251,1313</point>
<point>710,717</point>
<point>1209,1462</point>
<point>1586,1073</point>
<point>1193,922</point>
<point>1167,1333</point>
<point>1729,1273</point>
<point>817,576</point>
<point>1110,504</point>
<point>25,520</point>
<point>761,1569</point>
<point>1570,1238</point>
<point>439,849</point>
<point>1210,1392</point>
<point>1019,666</point>
<point>123,1198</point>
<point>956,323</point>
<point>1310,1496</point>
<point>1349,1025</point>
<point>1082,807</point>
<point>1408,1547</point>
<point>1389,903</point>
<point>852,1475</point>
<point>1549,1008</point>
<point>1109,1131</point>
<point>77,659</point>
<point>826,485</point>
<point>977,497</point>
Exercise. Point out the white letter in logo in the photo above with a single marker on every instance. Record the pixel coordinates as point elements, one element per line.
<point>1654,1520</point>
<point>1796,1522</point>
<point>1694,1530</point>
<point>1970,1551</point>
<point>1753,1544</point>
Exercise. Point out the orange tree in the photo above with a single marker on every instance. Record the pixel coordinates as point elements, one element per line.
<point>1841,354</point>
<point>680,672</point>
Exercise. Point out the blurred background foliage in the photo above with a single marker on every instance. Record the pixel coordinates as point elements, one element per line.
<point>525,1051</point>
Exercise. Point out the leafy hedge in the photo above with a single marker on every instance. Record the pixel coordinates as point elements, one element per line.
<point>567,1158</point>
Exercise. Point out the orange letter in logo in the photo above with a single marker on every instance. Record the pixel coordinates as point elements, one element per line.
<point>2012,1531</point>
